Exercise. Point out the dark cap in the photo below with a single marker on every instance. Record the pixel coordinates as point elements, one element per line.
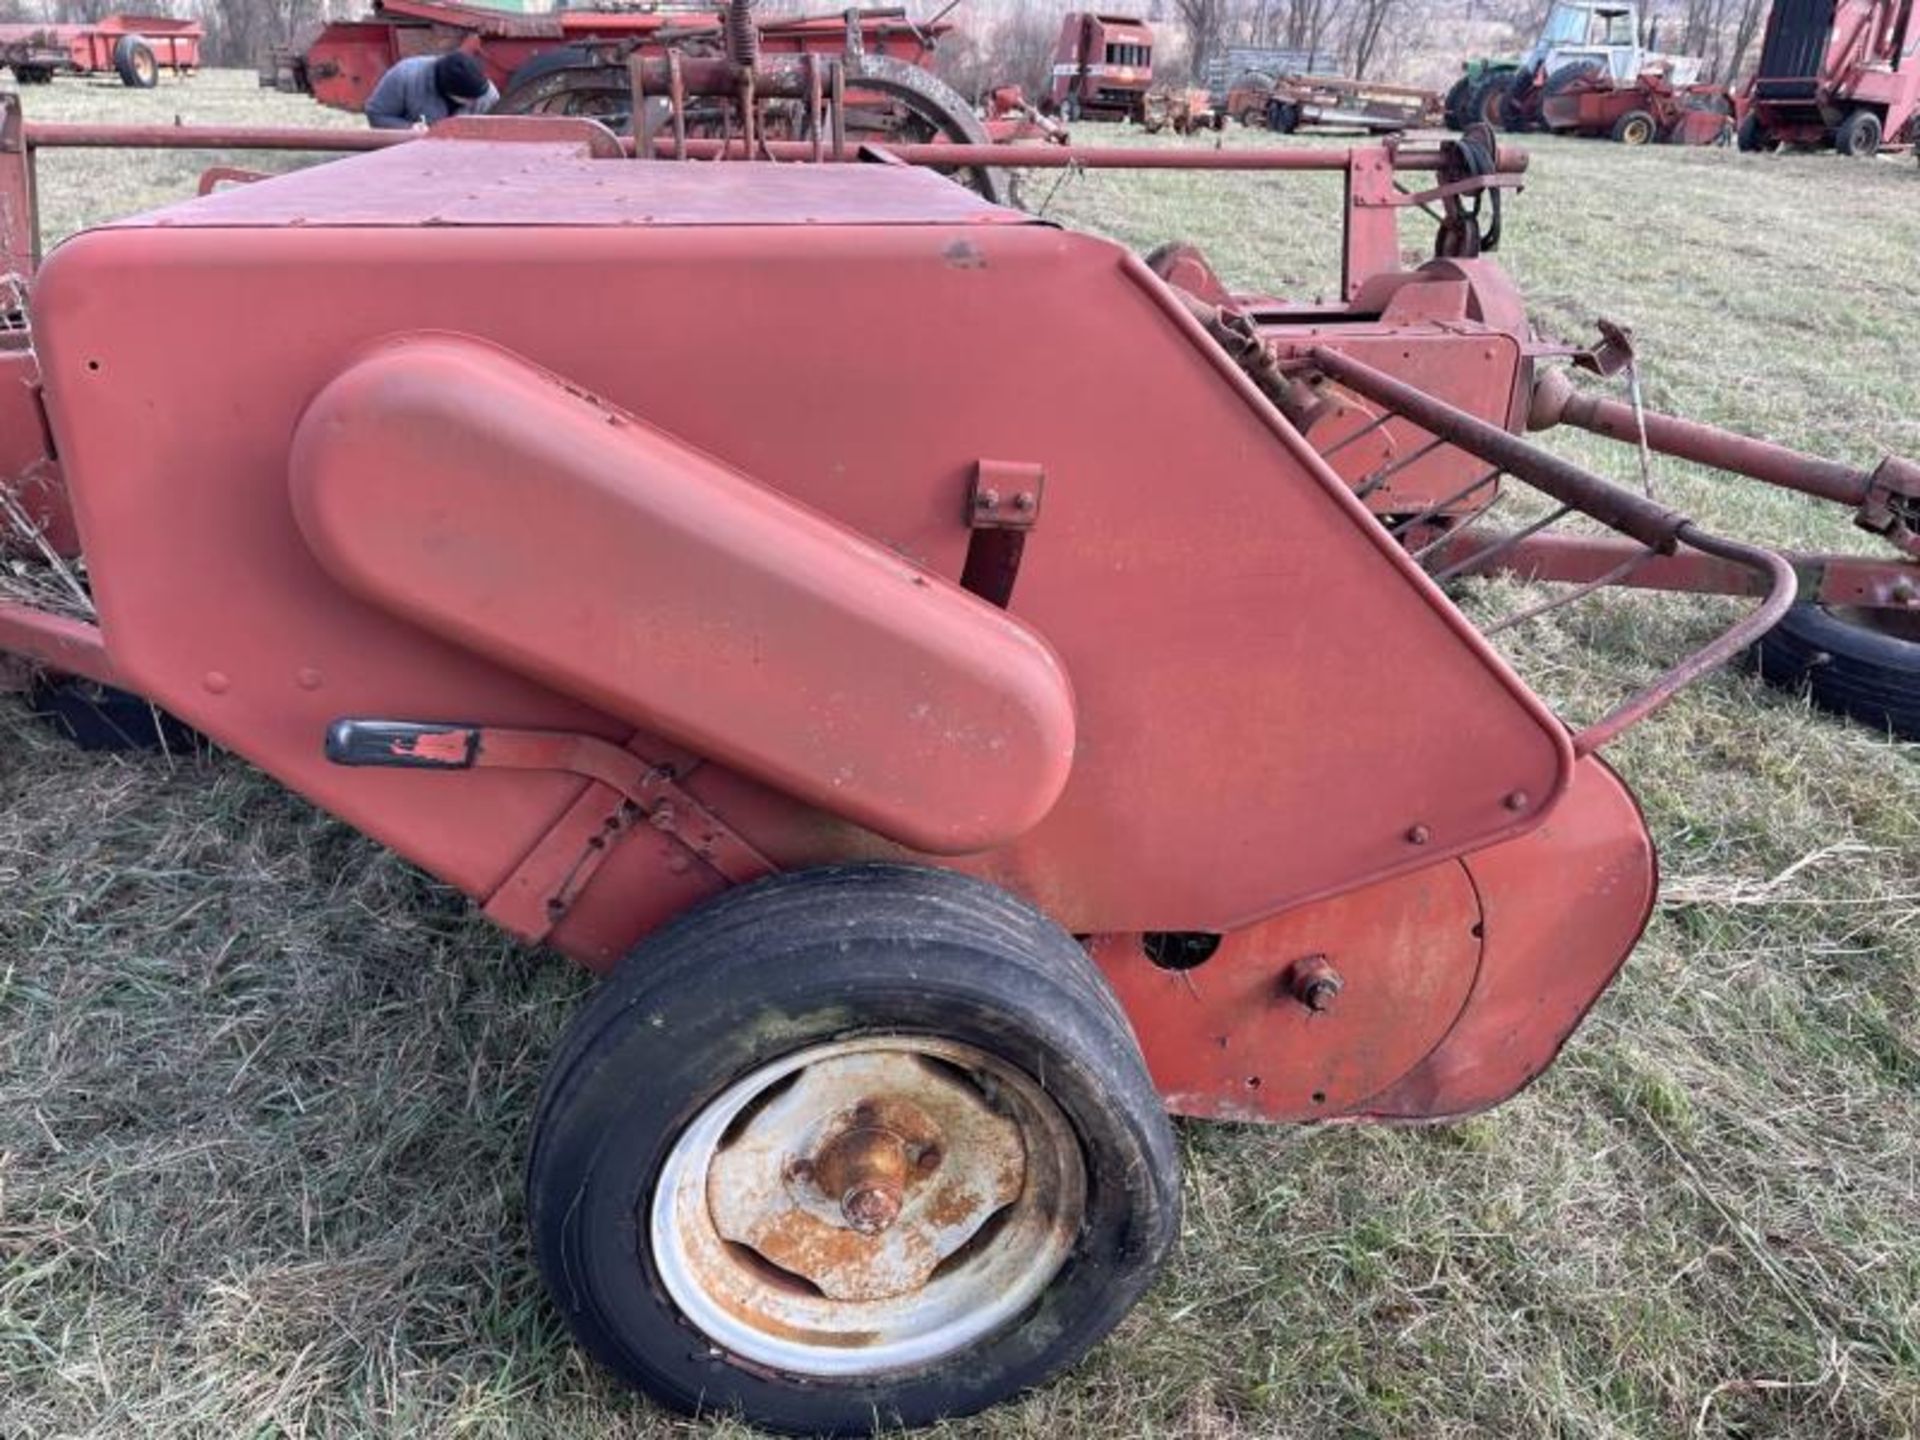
<point>458,76</point>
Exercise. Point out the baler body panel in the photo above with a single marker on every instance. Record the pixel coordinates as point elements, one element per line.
<point>1460,982</point>
<point>1273,704</point>
<point>677,594</point>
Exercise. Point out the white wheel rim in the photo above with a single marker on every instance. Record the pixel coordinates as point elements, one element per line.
<point>867,1206</point>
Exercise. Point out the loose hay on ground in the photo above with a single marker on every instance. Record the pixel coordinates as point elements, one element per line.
<point>263,1088</point>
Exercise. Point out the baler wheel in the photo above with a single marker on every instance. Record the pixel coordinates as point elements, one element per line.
<point>1858,135</point>
<point>575,80</point>
<point>134,61</point>
<point>849,1149</point>
<point>569,80</point>
<point>1751,138</point>
<point>1636,127</point>
<point>1862,663</point>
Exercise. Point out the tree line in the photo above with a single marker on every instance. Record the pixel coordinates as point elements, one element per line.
<point>1011,41</point>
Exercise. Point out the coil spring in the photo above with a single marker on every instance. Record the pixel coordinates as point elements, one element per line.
<point>743,35</point>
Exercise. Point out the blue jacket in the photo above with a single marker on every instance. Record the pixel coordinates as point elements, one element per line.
<point>406,95</point>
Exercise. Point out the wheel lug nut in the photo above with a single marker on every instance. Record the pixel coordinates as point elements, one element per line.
<point>930,1159</point>
<point>800,1171</point>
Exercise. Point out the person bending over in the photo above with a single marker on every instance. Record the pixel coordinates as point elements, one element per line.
<point>426,88</point>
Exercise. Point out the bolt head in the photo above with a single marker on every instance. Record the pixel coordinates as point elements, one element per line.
<point>871,1208</point>
<point>1419,835</point>
<point>1518,800</point>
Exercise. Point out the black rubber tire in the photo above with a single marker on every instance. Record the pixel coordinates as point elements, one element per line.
<point>1565,77</point>
<point>565,57</point>
<point>790,962</point>
<point>1750,137</point>
<point>1454,107</point>
<point>1520,106</point>
<point>1283,117</point>
<point>1845,667</point>
<point>1636,127</point>
<point>134,61</point>
<point>32,75</point>
<point>1858,135</point>
<point>1489,101</point>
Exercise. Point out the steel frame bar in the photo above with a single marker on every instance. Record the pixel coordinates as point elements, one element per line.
<point>1650,523</point>
<point>73,647</point>
<point>1401,527</point>
<point>51,135</point>
<point>1556,402</point>
<point>1859,581</point>
<point>1654,526</point>
<point>1782,588</point>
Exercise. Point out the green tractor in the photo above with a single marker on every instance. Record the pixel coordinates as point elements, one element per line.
<point>1480,92</point>
<point>1578,37</point>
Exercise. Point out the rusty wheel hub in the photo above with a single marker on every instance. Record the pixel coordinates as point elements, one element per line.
<point>867,1205</point>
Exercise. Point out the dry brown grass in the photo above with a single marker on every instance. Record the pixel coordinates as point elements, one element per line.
<point>263,1089</point>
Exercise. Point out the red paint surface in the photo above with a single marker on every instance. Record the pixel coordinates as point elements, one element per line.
<point>1281,727</point>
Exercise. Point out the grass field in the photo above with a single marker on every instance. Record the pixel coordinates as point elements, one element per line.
<point>263,1088</point>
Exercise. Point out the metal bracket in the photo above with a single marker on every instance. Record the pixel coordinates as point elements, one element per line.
<point>1003,504</point>
<point>1613,354</point>
<point>1005,495</point>
<point>543,887</point>
<point>1892,506</point>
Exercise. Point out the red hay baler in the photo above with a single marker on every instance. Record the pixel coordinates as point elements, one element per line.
<point>951,781</point>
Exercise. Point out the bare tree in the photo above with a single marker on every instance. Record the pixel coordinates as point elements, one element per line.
<point>1752,13</point>
<point>85,12</point>
<point>1366,23</point>
<point>1206,24</point>
<point>1017,50</point>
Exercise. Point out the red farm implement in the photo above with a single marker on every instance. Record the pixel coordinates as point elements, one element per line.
<point>950,788</point>
<point>562,62</point>
<point>1844,73</point>
<point>134,47</point>
<point>1650,107</point>
<point>1336,102</point>
<point>1102,67</point>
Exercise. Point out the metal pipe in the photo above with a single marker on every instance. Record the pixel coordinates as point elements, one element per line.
<point>1782,586</point>
<point>48,135</point>
<point>1557,402</point>
<point>1860,581</point>
<point>1649,523</point>
<point>52,134</point>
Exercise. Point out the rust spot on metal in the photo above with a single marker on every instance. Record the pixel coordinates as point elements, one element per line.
<point>963,255</point>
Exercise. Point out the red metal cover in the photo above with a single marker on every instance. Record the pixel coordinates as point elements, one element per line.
<point>496,505</point>
<point>1273,703</point>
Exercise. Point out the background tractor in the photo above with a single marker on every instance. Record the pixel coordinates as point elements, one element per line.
<point>1578,39</point>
